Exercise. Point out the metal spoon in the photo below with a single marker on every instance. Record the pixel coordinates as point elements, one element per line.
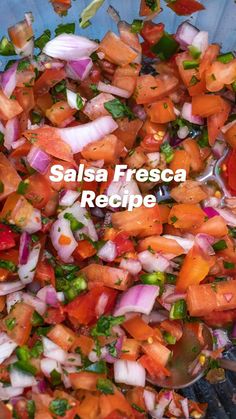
<point>185,351</point>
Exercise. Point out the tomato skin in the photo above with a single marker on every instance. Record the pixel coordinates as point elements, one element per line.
<point>123,243</point>
<point>116,414</point>
<point>54,316</point>
<point>151,143</point>
<point>83,307</point>
<point>20,33</point>
<point>48,79</point>
<point>185,7</point>
<point>220,318</point>
<point>5,412</point>
<point>152,32</point>
<point>38,191</point>
<point>7,237</point>
<point>22,313</point>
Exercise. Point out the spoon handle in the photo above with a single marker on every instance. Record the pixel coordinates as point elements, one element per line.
<point>227,364</point>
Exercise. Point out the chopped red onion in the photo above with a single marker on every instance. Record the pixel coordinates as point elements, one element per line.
<point>129,372</point>
<point>172,298</point>
<point>131,265</point>
<point>18,143</point>
<point>158,316</point>
<point>97,212</point>
<point>108,252</point>
<point>9,287</point>
<point>35,302</point>
<point>210,212</point>
<point>70,47</point>
<point>12,130</point>
<point>228,216</point>
<point>138,299</point>
<point>118,346</point>
<point>67,197</point>
<point>185,408</point>
<point>7,346</point>
<point>187,114</point>
<point>205,241</point>
<point>38,160</point>
<point>139,112</point>
<point>62,227</point>
<point>8,80</point>
<point>200,41</point>
<point>24,248</point>
<point>153,263</point>
<point>48,294</point>
<point>185,34</point>
<point>19,378</point>
<point>53,351</point>
<point>113,90</point>
<point>8,392</point>
<point>221,338</point>
<point>26,272</point>
<point>168,290</point>
<point>79,69</point>
<point>42,386</point>
<point>88,133</point>
<point>149,399</point>
<point>161,406</point>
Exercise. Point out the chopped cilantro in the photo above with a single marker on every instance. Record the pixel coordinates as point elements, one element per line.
<point>118,109</point>
<point>55,377</point>
<point>104,325</point>
<point>43,39</point>
<point>10,323</point>
<point>105,386</point>
<point>59,407</point>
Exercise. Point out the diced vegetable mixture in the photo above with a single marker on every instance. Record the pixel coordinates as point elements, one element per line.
<point>93,300</point>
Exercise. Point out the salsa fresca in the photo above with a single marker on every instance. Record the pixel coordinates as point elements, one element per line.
<point>93,300</point>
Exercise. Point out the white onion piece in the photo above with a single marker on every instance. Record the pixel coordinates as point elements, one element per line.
<point>72,99</point>
<point>131,265</point>
<point>149,399</point>
<point>108,252</point>
<point>153,263</point>
<point>161,406</point>
<point>9,287</point>
<point>73,359</point>
<point>70,47</point>
<point>229,216</point>
<point>34,224</point>
<point>80,136</point>
<point>29,18</point>
<point>185,34</point>
<point>186,244</point>
<point>187,114</point>
<point>82,215</point>
<point>68,197</point>
<point>47,365</point>
<point>122,188</point>
<point>62,226</point>
<point>8,392</point>
<point>137,299</point>
<point>113,90</point>
<point>185,408</point>
<point>13,298</point>
<point>7,346</point>
<point>26,272</point>
<point>154,159</point>
<point>12,130</point>
<point>8,80</point>
<point>53,351</point>
<point>200,41</point>
<point>21,379</point>
<point>34,302</point>
<point>130,373</point>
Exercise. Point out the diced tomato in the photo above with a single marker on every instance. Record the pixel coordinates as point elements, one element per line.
<point>204,299</point>
<point>116,51</point>
<point>45,273</point>
<point>193,81</point>
<point>25,98</point>
<point>185,7</point>
<point>4,411</point>
<point>219,74</point>
<point>146,50</point>
<point>7,237</point>
<point>44,102</point>
<point>123,243</point>
<point>21,33</point>
<point>174,327</point>
<point>61,6</point>
<point>230,135</point>
<point>220,318</point>
<point>89,407</point>
<point>161,244</point>
<point>108,276</point>
<point>192,149</point>
<point>215,226</point>
<point>181,160</point>
<point>126,77</point>
<point>84,343</point>
<point>154,368</point>
<point>54,316</point>
<point>48,138</point>
<point>116,414</point>
<point>210,55</point>
<point>150,88</point>
<point>130,349</point>
<point>20,315</point>
<point>189,192</point>
<point>84,250</point>
<point>62,336</point>
<point>9,108</point>
<point>117,401</point>
<point>136,159</point>
<point>107,149</point>
<point>151,142</point>
<point>186,216</point>
<point>207,105</point>
<point>127,131</point>
<point>138,329</point>
<point>85,380</point>
<point>158,352</point>
<point>162,111</point>
<point>83,307</point>
<point>60,114</point>
<point>38,191</point>
<point>17,210</point>
<point>140,222</point>
<point>48,79</point>
<point>152,32</point>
